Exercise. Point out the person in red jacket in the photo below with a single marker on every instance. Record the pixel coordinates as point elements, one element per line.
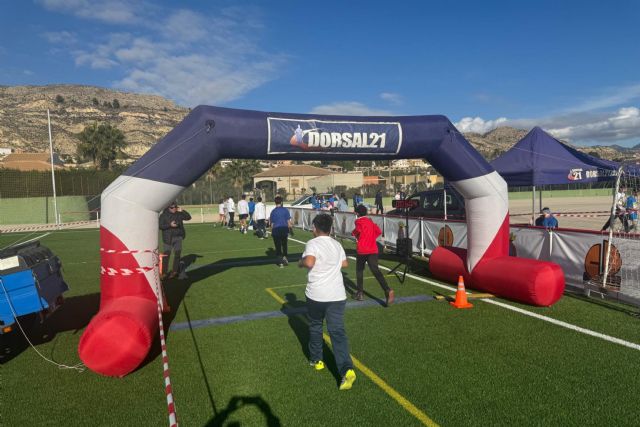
<point>366,233</point>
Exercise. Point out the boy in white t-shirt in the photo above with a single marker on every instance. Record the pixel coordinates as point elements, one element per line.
<point>326,298</point>
<point>243,213</point>
<point>260,215</point>
<point>222,215</point>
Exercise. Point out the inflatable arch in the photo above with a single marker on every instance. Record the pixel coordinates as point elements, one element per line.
<point>119,337</point>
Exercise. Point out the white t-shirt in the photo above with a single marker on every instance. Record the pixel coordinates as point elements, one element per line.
<point>260,212</point>
<point>231,206</point>
<point>221,208</point>
<point>325,278</point>
<point>243,207</point>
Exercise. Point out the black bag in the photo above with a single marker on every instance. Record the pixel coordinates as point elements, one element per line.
<point>404,247</point>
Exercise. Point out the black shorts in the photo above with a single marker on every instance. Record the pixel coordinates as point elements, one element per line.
<point>244,216</point>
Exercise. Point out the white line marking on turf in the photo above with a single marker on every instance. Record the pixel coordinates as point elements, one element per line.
<point>570,326</point>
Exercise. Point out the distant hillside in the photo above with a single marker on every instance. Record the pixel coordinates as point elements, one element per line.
<point>23,116</point>
<point>145,119</point>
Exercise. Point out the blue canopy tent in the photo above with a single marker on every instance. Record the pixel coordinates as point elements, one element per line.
<point>540,159</point>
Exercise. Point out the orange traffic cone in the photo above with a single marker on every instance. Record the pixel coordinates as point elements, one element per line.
<point>461,296</point>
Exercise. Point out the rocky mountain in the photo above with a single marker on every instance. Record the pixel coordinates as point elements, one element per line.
<point>146,118</point>
<point>23,116</point>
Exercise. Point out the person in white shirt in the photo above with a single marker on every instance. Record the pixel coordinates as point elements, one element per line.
<point>243,213</point>
<point>324,257</point>
<point>221,213</point>
<point>260,216</point>
<point>231,210</point>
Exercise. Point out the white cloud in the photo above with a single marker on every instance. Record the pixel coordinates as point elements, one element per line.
<point>611,97</point>
<point>479,125</point>
<point>391,97</point>
<point>587,127</point>
<point>28,72</point>
<point>110,11</point>
<point>188,57</point>
<point>60,37</point>
<point>348,109</point>
<point>623,124</point>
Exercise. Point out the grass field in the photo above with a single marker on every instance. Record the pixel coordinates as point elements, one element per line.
<point>420,361</point>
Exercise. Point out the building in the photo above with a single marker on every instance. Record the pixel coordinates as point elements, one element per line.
<point>296,180</point>
<point>327,183</point>
<point>31,161</point>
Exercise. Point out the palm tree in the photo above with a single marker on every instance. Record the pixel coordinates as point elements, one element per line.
<point>241,172</point>
<point>102,143</point>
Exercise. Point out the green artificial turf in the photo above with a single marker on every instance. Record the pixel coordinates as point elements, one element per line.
<point>483,366</point>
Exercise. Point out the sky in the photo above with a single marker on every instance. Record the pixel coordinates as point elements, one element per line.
<point>571,67</point>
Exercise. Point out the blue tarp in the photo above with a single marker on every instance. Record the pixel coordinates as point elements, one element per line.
<point>540,159</point>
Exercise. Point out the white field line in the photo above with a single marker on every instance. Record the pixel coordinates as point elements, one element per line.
<point>570,326</point>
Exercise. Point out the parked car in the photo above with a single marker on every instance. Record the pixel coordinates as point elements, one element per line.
<point>430,204</point>
<point>305,201</point>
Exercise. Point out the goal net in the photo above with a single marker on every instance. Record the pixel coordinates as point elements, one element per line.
<point>621,276</point>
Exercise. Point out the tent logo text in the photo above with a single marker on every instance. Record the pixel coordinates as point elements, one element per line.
<point>333,137</point>
<point>575,174</point>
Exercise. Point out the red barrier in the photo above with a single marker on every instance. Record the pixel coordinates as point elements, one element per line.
<point>524,280</point>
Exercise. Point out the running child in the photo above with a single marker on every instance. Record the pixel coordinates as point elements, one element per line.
<point>326,298</point>
<point>366,233</point>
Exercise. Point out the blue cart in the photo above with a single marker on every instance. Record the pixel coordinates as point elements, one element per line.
<point>30,283</point>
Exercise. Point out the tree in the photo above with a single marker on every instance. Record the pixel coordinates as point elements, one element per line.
<point>116,103</point>
<point>59,99</point>
<point>241,172</point>
<point>95,102</point>
<point>107,104</point>
<point>101,143</point>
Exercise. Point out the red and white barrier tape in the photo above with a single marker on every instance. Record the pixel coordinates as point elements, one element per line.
<point>173,420</point>
<point>582,215</point>
<point>45,227</point>
<point>171,407</point>
<point>133,251</point>
<point>110,271</point>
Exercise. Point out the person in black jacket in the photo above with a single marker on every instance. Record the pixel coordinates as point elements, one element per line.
<point>171,224</point>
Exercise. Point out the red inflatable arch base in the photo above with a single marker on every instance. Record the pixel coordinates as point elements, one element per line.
<point>524,280</point>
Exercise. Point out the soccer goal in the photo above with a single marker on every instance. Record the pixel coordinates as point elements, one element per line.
<point>621,278</point>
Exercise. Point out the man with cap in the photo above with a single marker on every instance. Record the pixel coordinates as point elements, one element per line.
<point>549,221</point>
<point>173,233</point>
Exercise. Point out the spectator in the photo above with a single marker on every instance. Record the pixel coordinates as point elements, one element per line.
<point>538,221</point>
<point>343,206</point>
<point>243,213</point>
<point>280,221</point>
<point>261,219</point>
<point>313,200</point>
<point>326,298</point>
<point>231,210</point>
<point>378,202</point>
<point>549,220</point>
<point>620,210</point>
<point>222,216</point>
<point>173,233</point>
<point>397,196</point>
<point>252,209</point>
<point>632,211</point>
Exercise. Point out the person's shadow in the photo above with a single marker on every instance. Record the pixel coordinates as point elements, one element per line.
<point>352,288</point>
<point>296,312</point>
<point>236,403</point>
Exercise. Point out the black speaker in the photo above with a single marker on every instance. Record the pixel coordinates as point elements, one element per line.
<point>404,247</point>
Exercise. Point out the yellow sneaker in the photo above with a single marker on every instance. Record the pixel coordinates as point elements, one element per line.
<point>318,366</point>
<point>348,380</point>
